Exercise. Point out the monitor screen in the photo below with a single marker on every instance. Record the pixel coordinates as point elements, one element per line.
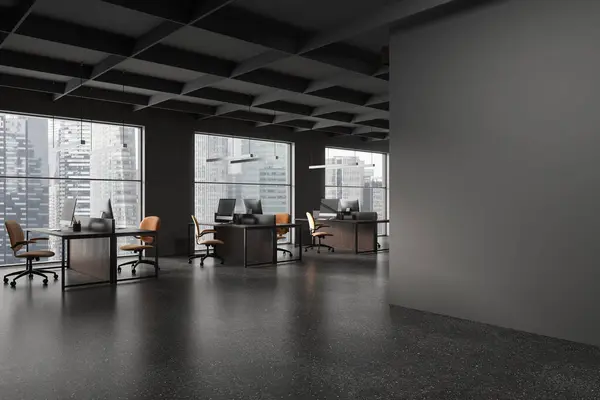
<point>349,205</point>
<point>226,207</point>
<point>253,206</point>
<point>106,211</point>
<point>329,206</point>
<point>68,212</point>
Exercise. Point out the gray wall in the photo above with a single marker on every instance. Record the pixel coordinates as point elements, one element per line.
<point>495,148</point>
<point>169,154</point>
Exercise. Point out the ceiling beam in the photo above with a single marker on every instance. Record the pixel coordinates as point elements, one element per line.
<point>13,18</point>
<point>121,46</point>
<point>145,42</point>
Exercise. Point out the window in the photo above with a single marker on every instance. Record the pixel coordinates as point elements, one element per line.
<point>361,175</point>
<point>43,162</point>
<point>267,179</point>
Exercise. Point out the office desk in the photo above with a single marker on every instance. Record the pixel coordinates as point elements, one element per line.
<point>91,258</point>
<point>359,236</point>
<point>252,245</point>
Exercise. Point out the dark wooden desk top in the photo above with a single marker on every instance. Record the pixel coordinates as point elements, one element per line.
<point>248,226</point>
<point>85,234</point>
<point>347,221</point>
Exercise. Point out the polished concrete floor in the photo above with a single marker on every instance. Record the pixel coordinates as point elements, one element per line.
<point>314,331</point>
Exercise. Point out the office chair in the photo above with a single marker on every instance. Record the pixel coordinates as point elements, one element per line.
<point>281,232</point>
<point>17,241</point>
<point>315,234</point>
<point>146,243</point>
<point>206,242</point>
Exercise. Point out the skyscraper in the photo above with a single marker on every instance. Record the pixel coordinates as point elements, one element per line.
<point>23,152</point>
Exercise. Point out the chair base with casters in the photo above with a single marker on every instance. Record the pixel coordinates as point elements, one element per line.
<point>319,245</point>
<point>284,251</point>
<point>208,243</point>
<point>29,271</point>
<point>137,262</point>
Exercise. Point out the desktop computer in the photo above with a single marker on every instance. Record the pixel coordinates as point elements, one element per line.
<point>329,208</point>
<point>349,206</point>
<point>107,211</point>
<point>253,206</point>
<point>225,210</point>
<point>68,213</point>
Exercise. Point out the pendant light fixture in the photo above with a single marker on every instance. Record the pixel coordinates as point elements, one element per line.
<point>81,141</point>
<point>123,125</point>
<point>245,158</point>
<point>338,166</point>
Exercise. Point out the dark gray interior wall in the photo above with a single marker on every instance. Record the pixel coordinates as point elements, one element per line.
<point>495,187</point>
<point>169,154</point>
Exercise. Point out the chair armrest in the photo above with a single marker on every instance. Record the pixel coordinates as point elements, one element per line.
<point>319,226</point>
<point>36,239</point>
<point>207,231</point>
<point>23,243</point>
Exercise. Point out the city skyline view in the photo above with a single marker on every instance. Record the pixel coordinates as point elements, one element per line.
<point>268,178</point>
<point>44,161</point>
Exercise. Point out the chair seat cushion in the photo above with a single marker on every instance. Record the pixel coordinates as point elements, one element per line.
<point>317,234</point>
<point>37,253</point>
<point>281,237</point>
<point>211,242</point>
<point>136,247</point>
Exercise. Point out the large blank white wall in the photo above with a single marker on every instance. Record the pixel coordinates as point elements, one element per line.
<point>495,167</point>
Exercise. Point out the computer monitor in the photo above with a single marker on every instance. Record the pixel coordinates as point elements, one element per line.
<point>348,206</point>
<point>253,206</point>
<point>107,211</point>
<point>225,210</point>
<point>68,212</point>
<point>329,207</point>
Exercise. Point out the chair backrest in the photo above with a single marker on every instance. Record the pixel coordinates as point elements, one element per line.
<point>311,221</point>
<point>282,219</point>
<point>15,234</point>
<point>197,225</point>
<point>149,224</point>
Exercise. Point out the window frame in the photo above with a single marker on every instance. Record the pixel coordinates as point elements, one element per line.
<point>140,181</point>
<point>386,182</point>
<point>290,169</point>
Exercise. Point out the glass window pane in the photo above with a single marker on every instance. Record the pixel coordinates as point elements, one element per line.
<point>214,153</point>
<point>274,198</point>
<point>361,175</point>
<point>54,165</point>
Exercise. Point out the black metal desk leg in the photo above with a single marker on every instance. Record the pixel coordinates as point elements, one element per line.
<point>355,238</point>
<point>245,248</point>
<point>113,260</point>
<point>300,242</point>
<point>274,236</point>
<point>62,265</point>
<point>156,268</point>
<point>27,239</point>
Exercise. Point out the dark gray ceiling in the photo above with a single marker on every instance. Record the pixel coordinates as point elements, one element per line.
<point>304,64</point>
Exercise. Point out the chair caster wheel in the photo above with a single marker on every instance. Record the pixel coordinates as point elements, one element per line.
<point>13,284</point>
<point>189,261</point>
<point>333,250</point>
<point>5,281</point>
<point>45,282</point>
<point>30,276</point>
<point>202,263</point>
<point>133,271</point>
<point>37,259</point>
<point>55,277</point>
<point>118,269</point>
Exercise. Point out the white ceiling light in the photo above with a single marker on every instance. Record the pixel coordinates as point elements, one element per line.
<point>337,166</point>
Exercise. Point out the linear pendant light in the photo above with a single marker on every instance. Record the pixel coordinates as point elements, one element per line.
<point>338,166</point>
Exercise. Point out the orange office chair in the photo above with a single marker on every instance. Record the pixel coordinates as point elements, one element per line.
<point>146,243</point>
<point>282,232</point>
<point>17,241</point>
<point>206,242</point>
<point>318,235</point>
